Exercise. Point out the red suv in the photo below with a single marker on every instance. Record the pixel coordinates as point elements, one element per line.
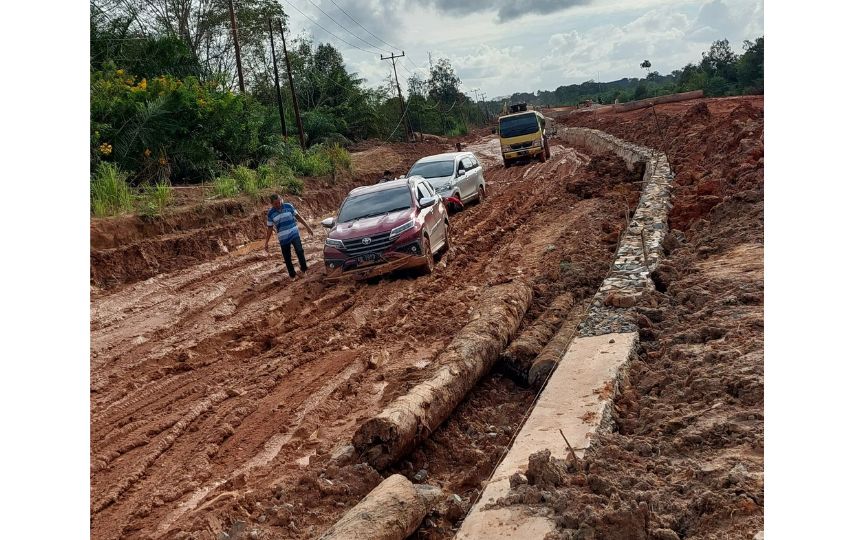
<point>384,227</point>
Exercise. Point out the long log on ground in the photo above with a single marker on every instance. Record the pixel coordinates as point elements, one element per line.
<point>519,356</point>
<point>550,355</point>
<point>391,511</point>
<point>669,98</point>
<point>410,418</point>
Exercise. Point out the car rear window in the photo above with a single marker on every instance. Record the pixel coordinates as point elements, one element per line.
<point>375,203</point>
<point>513,126</point>
<point>432,169</point>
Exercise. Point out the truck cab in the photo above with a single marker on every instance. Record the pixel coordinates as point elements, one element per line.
<point>522,134</point>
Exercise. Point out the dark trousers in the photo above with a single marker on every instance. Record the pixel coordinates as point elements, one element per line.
<point>286,253</point>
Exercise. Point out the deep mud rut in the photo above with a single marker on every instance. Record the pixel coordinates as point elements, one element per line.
<point>221,392</point>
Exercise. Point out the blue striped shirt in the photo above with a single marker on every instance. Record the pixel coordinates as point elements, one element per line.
<point>285,220</point>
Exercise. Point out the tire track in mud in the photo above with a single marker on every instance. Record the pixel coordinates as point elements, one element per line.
<point>271,448</point>
<point>137,472</point>
<point>237,325</point>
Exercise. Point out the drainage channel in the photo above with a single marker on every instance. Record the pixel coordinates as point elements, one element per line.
<point>599,338</point>
<point>576,401</point>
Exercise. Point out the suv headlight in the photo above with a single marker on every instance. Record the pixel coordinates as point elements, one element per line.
<point>506,148</point>
<point>397,231</point>
<point>332,242</point>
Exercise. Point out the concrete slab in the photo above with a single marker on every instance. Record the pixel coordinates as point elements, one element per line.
<point>577,397</point>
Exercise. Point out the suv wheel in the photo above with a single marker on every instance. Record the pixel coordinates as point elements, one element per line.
<point>481,194</point>
<point>429,262</point>
<point>447,245</point>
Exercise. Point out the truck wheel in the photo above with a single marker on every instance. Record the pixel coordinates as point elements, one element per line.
<point>542,156</point>
<point>506,163</point>
<point>548,151</point>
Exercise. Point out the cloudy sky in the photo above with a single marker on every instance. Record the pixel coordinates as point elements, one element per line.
<point>506,46</point>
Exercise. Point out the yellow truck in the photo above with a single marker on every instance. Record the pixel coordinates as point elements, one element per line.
<point>522,135</point>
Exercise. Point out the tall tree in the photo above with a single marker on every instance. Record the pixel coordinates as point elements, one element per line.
<point>443,83</point>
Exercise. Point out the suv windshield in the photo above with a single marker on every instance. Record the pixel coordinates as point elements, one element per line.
<point>432,169</point>
<point>375,203</point>
<point>514,126</point>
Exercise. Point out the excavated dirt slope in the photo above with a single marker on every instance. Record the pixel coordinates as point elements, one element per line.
<point>222,393</point>
<point>686,457</point>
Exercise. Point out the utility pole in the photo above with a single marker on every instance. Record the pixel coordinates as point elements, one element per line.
<point>399,93</point>
<point>276,75</point>
<point>236,45</point>
<point>293,92</point>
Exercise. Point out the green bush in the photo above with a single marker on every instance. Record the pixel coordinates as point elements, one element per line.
<point>293,186</point>
<point>266,176</point>
<point>337,156</point>
<point>246,178</point>
<point>225,187</point>
<point>189,125</point>
<point>155,197</point>
<point>315,162</point>
<point>109,191</point>
<point>458,130</point>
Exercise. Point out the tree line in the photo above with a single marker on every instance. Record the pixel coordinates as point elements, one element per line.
<point>165,103</point>
<point>720,72</point>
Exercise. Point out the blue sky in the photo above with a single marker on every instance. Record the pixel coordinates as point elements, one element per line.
<point>506,46</point>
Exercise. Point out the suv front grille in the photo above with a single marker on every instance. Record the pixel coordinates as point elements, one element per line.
<point>356,246</point>
<point>519,146</point>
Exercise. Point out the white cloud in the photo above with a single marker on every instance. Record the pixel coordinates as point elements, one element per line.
<point>555,44</point>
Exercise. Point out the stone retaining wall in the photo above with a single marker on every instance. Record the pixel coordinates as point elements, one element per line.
<point>630,274</point>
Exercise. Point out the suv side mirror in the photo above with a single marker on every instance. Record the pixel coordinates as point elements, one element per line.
<point>328,222</point>
<point>426,202</point>
<point>461,172</point>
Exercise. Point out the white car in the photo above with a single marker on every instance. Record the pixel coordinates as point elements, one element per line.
<point>455,175</point>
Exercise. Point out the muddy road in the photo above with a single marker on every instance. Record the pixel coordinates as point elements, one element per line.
<point>222,393</point>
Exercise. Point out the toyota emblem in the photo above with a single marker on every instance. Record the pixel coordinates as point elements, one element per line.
<point>366,240</point>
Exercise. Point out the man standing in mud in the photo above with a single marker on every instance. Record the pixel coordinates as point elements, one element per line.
<point>284,217</point>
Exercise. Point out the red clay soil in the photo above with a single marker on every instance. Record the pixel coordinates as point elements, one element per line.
<point>686,457</point>
<point>223,393</point>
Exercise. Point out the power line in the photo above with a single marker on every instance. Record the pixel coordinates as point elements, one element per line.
<point>365,29</point>
<point>347,29</point>
<point>327,31</point>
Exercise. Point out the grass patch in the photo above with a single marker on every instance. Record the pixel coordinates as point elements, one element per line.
<point>293,186</point>
<point>246,178</point>
<point>266,177</point>
<point>225,187</point>
<point>154,198</point>
<point>109,192</point>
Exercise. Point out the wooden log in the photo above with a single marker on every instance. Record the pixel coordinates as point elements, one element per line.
<point>410,418</point>
<point>391,511</point>
<point>519,356</point>
<point>551,354</point>
<point>669,98</point>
